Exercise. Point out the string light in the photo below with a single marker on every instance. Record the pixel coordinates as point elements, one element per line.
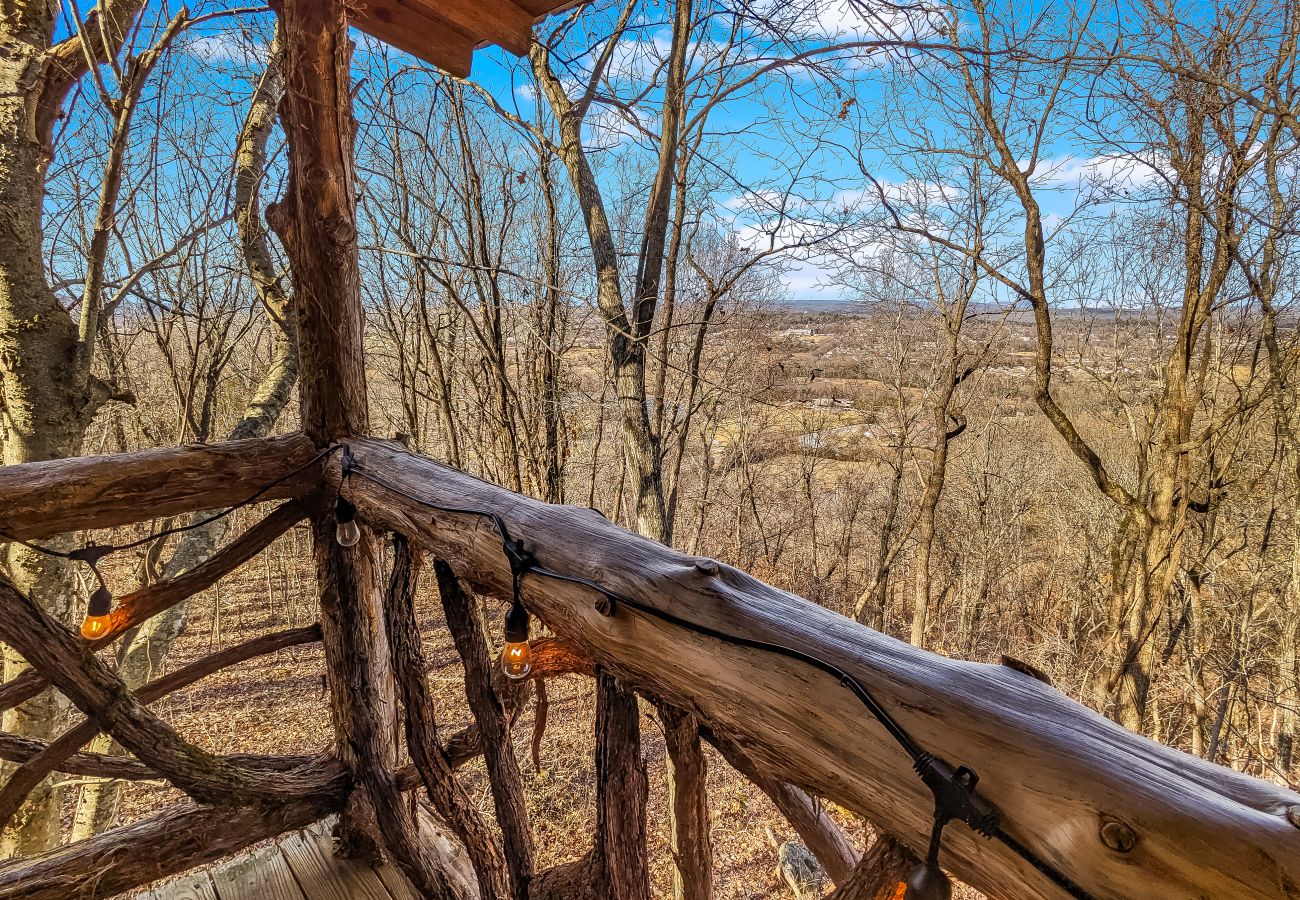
<point>516,660</point>
<point>346,530</point>
<point>97,620</point>
<point>926,882</point>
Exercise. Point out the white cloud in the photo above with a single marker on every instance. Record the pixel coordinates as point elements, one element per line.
<point>226,48</point>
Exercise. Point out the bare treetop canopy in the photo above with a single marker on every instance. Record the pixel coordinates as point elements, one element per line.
<point>447,32</point>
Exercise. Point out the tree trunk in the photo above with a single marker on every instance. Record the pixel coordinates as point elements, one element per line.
<point>47,393</point>
<point>144,656</point>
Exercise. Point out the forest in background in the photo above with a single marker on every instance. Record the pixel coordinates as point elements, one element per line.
<point>1055,419</point>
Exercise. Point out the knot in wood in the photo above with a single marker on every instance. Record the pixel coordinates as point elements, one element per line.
<point>707,566</point>
<point>1293,815</point>
<point>1117,835</point>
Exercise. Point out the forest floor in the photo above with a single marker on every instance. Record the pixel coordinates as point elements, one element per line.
<point>277,704</point>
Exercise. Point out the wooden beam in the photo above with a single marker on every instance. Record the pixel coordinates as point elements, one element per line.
<point>499,22</point>
<point>494,729</point>
<point>406,25</point>
<point>44,498</point>
<point>1057,770</point>
<point>811,822</point>
<point>317,223</point>
<point>449,798</point>
<point>52,758</point>
<point>101,695</point>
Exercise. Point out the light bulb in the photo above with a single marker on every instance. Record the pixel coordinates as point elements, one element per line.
<point>517,661</point>
<point>346,532</point>
<point>517,658</point>
<point>97,621</point>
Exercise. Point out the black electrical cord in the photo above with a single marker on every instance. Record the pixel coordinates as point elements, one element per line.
<point>954,789</point>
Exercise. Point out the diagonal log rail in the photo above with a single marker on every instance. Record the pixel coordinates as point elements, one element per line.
<point>1058,771</point>
<point>138,606</point>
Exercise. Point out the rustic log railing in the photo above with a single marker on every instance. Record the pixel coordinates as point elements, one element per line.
<point>1107,812</point>
<point>1066,780</point>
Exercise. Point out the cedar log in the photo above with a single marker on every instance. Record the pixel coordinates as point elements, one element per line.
<point>494,729</point>
<point>317,224</point>
<point>52,758</point>
<point>1054,767</point>
<point>40,499</point>
<point>447,794</point>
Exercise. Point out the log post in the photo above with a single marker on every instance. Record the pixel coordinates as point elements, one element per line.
<point>692,845</point>
<point>316,221</point>
<point>490,716</point>
<point>448,797</point>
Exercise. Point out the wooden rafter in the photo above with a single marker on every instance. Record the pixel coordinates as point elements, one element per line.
<point>445,33</point>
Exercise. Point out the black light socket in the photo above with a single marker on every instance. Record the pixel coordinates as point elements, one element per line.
<point>516,630</point>
<point>101,602</point>
<point>344,511</point>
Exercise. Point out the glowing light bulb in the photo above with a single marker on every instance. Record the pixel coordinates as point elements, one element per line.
<point>517,659</point>
<point>97,621</point>
<point>346,532</point>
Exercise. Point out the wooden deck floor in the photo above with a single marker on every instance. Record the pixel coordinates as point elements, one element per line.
<point>298,866</point>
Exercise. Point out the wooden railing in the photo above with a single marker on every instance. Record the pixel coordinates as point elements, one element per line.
<point>1117,814</point>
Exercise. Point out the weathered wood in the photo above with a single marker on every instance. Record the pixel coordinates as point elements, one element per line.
<point>448,797</point>
<point>316,221</point>
<point>139,606</point>
<point>815,827</point>
<point>621,791</point>
<point>44,498</point>
<point>179,838</point>
<point>323,877</point>
<point>690,840</point>
<point>102,696</point>
<point>502,22</point>
<point>408,27</point>
<point>257,876</point>
<point>494,730</point>
<point>879,873</point>
<point>1054,767</point>
<point>52,758</point>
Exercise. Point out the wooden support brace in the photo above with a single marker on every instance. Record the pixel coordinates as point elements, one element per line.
<point>494,729</point>
<point>448,797</point>
<point>815,828</point>
<point>53,757</point>
<point>139,606</point>
<point>879,873</point>
<point>101,695</point>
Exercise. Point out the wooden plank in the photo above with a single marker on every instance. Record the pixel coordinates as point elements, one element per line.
<point>323,876</point>
<point>194,886</point>
<point>1056,769</point>
<point>398,887</point>
<point>406,27</point>
<point>499,22</point>
<point>44,498</point>
<point>261,874</point>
